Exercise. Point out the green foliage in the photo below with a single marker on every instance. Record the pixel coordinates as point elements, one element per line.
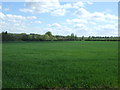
<point>76,64</point>
<point>49,37</point>
<point>48,33</point>
<point>46,37</point>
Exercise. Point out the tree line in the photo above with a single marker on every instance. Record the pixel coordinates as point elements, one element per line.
<point>49,37</point>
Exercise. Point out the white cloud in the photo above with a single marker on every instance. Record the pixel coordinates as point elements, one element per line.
<point>103,17</point>
<point>2,16</point>
<point>79,26</point>
<point>96,16</point>
<point>10,17</point>
<point>78,5</point>
<point>15,23</point>
<point>81,12</point>
<point>41,7</point>
<point>13,17</point>
<point>54,25</point>
<point>18,23</point>
<point>96,23</point>
<point>38,22</point>
<point>108,29</point>
<point>66,6</point>
<point>107,26</point>
<point>58,12</point>
<point>76,20</point>
<point>50,6</point>
<point>31,17</point>
<point>6,9</point>
<point>59,30</point>
<point>0,7</point>
<point>26,10</point>
<point>88,24</point>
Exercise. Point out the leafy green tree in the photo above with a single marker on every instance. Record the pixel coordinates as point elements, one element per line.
<point>24,37</point>
<point>7,36</point>
<point>83,38</point>
<point>72,36</point>
<point>49,33</point>
<point>49,36</point>
<point>76,37</point>
<point>46,37</point>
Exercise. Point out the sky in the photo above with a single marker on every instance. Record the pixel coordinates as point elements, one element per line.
<point>61,18</point>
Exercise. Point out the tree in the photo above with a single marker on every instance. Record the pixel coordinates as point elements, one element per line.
<point>32,36</point>
<point>49,33</point>
<point>72,36</point>
<point>7,36</point>
<point>46,37</point>
<point>76,37</point>
<point>82,38</point>
<point>24,37</point>
<point>49,36</point>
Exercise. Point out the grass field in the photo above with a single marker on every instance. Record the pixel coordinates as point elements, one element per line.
<point>77,64</point>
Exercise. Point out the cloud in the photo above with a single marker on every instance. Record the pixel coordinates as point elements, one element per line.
<point>76,20</point>
<point>78,4</point>
<point>67,6</point>
<point>96,23</point>
<point>10,17</point>
<point>2,16</point>
<point>87,24</point>
<point>31,17</point>
<point>15,23</point>
<point>38,22</point>
<point>108,29</point>
<point>81,26</point>
<point>26,10</point>
<point>52,6</point>
<point>41,7</point>
<point>6,9</point>
<point>0,7</point>
<point>81,12</point>
<point>58,12</point>
<point>59,30</point>
<point>54,25</point>
<point>97,16</point>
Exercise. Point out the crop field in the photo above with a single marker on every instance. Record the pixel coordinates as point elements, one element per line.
<point>60,64</point>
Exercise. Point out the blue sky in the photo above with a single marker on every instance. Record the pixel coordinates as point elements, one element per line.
<point>61,18</point>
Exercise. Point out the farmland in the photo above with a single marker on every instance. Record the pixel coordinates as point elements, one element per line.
<point>60,64</point>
